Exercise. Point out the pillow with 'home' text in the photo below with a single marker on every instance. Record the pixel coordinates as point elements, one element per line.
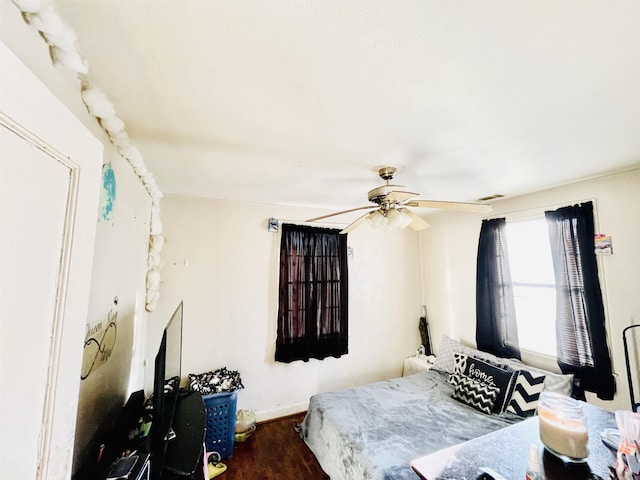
<point>448,347</point>
<point>503,379</point>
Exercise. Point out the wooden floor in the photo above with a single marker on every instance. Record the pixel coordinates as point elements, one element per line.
<point>274,451</point>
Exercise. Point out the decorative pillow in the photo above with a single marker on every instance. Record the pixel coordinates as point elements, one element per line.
<point>445,361</point>
<point>503,380</point>
<point>459,366</point>
<point>553,382</point>
<point>460,362</point>
<point>559,383</point>
<point>454,379</point>
<point>524,400</point>
<point>475,394</point>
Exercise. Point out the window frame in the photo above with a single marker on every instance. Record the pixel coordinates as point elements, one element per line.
<point>539,359</point>
<point>312,319</point>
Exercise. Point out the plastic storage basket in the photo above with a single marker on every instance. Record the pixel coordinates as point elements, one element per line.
<point>220,426</point>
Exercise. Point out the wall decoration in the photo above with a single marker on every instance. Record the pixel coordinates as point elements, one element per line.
<point>603,244</point>
<point>100,338</point>
<point>61,40</point>
<point>107,192</point>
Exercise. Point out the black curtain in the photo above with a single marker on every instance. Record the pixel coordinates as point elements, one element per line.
<point>496,328</point>
<point>580,321</point>
<point>313,295</point>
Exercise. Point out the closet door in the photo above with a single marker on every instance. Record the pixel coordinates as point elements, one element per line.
<point>49,189</point>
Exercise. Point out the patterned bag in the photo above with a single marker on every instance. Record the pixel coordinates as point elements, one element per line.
<point>221,380</point>
<point>628,455</point>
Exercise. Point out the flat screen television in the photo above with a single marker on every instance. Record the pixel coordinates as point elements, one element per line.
<point>166,388</point>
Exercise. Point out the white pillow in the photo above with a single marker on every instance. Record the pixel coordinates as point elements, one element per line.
<point>448,346</point>
<point>553,382</point>
<point>444,360</point>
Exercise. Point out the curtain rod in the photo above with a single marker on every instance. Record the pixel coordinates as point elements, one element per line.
<point>304,222</point>
<point>529,212</point>
<point>274,227</point>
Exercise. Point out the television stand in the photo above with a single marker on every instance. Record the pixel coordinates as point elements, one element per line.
<point>184,455</point>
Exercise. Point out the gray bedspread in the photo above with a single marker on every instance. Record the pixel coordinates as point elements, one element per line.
<point>372,432</point>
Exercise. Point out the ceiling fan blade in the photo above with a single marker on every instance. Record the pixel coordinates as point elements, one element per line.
<point>355,224</point>
<point>399,196</point>
<point>460,206</point>
<point>340,213</point>
<point>417,223</point>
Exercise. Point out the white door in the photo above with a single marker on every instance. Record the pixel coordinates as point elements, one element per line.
<point>49,188</point>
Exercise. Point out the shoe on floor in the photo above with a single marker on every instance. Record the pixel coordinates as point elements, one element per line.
<point>216,469</point>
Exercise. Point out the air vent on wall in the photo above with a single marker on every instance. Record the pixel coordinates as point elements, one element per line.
<point>490,197</point>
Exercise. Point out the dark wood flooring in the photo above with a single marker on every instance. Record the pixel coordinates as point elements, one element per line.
<point>274,451</point>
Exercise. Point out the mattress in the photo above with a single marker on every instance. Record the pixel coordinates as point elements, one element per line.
<point>372,432</point>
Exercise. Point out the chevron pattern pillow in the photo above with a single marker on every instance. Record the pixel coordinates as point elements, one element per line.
<point>524,400</point>
<point>475,394</point>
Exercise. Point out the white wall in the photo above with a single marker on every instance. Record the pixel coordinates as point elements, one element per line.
<point>119,271</point>
<point>449,251</point>
<point>221,260</point>
<point>119,266</point>
<point>50,167</point>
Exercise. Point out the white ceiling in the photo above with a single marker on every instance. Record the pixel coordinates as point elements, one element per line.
<point>299,102</point>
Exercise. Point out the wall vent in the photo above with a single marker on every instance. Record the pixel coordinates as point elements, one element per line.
<point>490,197</point>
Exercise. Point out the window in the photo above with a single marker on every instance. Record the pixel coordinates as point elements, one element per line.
<point>313,294</point>
<point>534,285</point>
<point>557,310</point>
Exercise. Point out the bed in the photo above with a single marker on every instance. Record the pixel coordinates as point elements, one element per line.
<point>372,432</point>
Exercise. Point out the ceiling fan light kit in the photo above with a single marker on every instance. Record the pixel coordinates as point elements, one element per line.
<point>394,218</point>
<point>376,219</point>
<point>391,202</point>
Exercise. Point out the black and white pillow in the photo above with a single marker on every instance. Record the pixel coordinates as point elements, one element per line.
<point>503,379</point>
<point>553,382</point>
<point>459,366</point>
<point>524,399</point>
<point>475,394</point>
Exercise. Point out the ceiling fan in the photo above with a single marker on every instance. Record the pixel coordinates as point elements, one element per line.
<point>390,206</point>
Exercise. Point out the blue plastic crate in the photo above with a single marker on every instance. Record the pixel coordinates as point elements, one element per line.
<point>220,427</point>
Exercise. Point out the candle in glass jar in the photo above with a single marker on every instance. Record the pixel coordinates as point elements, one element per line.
<point>563,429</point>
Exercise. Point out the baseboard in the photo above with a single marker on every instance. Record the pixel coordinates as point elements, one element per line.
<point>265,415</point>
